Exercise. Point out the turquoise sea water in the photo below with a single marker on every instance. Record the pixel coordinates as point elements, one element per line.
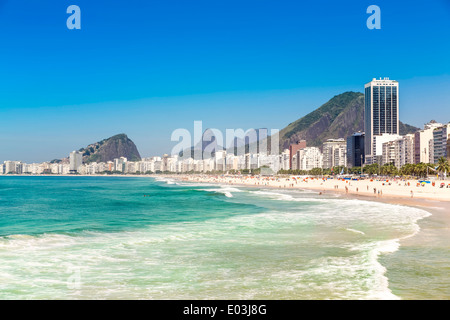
<point>146,238</point>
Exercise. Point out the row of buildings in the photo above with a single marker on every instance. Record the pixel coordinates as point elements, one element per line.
<point>382,140</point>
<point>167,163</point>
<point>426,145</point>
<point>380,143</point>
<point>305,158</point>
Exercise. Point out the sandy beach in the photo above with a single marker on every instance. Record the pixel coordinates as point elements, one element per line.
<point>427,196</point>
<point>380,189</point>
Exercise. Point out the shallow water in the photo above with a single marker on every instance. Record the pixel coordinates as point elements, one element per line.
<point>145,238</point>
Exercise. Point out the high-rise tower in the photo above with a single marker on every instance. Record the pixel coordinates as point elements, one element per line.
<point>381,114</point>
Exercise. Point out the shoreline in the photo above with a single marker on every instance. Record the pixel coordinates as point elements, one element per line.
<point>422,197</point>
<point>399,190</point>
<point>425,250</point>
<point>422,257</point>
<point>439,209</point>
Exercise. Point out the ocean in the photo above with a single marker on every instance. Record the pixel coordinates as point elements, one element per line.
<point>158,238</point>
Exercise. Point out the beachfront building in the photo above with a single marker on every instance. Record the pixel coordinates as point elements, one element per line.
<point>409,148</point>
<point>13,167</point>
<point>439,142</point>
<point>119,164</point>
<point>399,151</point>
<point>250,161</point>
<point>381,114</point>
<point>390,150</point>
<point>75,161</point>
<point>355,150</point>
<point>309,158</point>
<point>10,167</point>
<point>220,160</point>
<point>37,168</point>
<point>285,158</point>
<point>109,166</point>
<point>208,165</point>
<point>271,161</point>
<point>294,162</point>
<point>377,155</point>
<point>169,166</point>
<point>293,148</point>
<point>55,168</point>
<point>334,153</point>
<point>422,142</point>
<point>448,148</point>
<point>232,162</point>
<point>164,163</point>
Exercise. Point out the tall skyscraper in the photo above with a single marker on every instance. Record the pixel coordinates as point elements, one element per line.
<point>381,113</point>
<point>76,160</point>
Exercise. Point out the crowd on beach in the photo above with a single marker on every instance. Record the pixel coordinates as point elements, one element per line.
<point>379,187</point>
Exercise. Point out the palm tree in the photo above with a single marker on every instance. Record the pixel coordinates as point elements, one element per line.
<point>443,165</point>
<point>407,169</point>
<point>420,170</point>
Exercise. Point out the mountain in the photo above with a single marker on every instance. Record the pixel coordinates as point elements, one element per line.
<point>208,145</point>
<point>109,149</point>
<point>340,117</point>
<point>406,128</point>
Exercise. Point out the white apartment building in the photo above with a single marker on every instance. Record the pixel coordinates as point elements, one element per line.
<point>377,155</point>
<point>438,146</point>
<point>309,158</point>
<point>422,142</point>
<point>13,167</point>
<point>285,156</point>
<point>334,153</point>
<point>119,164</point>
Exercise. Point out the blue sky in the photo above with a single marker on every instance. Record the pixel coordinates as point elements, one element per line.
<point>146,68</point>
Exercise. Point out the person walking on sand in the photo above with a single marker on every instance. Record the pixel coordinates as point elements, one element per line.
<point>412,193</point>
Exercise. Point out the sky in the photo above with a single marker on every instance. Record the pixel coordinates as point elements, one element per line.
<point>146,68</point>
